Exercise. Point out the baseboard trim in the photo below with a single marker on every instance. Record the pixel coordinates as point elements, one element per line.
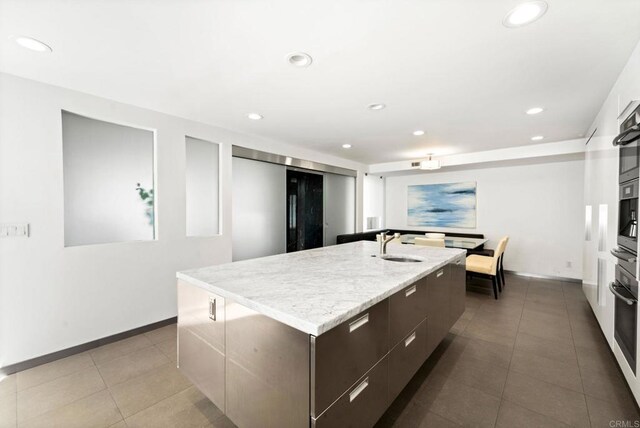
<point>550,277</point>
<point>28,364</point>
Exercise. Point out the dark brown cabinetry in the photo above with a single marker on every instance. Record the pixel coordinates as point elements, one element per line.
<point>438,310</point>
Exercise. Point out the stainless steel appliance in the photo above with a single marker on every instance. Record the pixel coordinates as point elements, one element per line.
<point>625,286</point>
<point>629,142</point>
<point>625,289</point>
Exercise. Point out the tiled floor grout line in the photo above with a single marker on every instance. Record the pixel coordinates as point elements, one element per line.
<point>513,350</point>
<point>109,391</point>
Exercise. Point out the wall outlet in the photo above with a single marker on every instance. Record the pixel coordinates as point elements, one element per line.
<point>14,230</point>
<point>569,264</point>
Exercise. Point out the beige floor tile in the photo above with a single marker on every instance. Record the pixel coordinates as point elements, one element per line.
<point>606,386</point>
<point>546,329</point>
<point>188,408</point>
<point>8,410</point>
<point>118,349</point>
<point>132,365</point>
<point>482,375</point>
<point>52,395</point>
<point>559,350</point>
<point>550,400</point>
<point>169,348</point>
<point>50,371</point>
<point>8,384</point>
<point>612,414</point>
<point>163,333</point>
<point>565,374</point>
<point>511,416</point>
<point>416,415</point>
<point>598,359</point>
<point>465,405</point>
<point>143,391</point>
<point>121,424</point>
<point>97,410</point>
<point>498,355</point>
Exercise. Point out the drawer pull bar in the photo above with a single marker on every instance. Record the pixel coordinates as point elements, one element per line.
<point>363,385</point>
<point>212,308</point>
<point>410,339</point>
<point>409,291</point>
<point>440,273</point>
<point>354,325</point>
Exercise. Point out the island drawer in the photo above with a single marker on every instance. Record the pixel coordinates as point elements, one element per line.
<point>406,309</point>
<point>406,358</point>
<point>345,353</point>
<point>457,289</point>
<point>362,404</point>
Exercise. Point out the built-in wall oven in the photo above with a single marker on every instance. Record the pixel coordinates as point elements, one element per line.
<point>625,285</point>
<point>629,142</point>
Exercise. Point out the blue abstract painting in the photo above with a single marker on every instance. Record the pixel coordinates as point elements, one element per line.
<point>442,205</point>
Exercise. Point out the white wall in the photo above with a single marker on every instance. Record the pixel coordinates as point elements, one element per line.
<point>538,205</point>
<point>52,297</point>
<point>373,194</point>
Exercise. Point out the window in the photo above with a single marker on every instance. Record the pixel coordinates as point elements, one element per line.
<point>109,193</point>
<point>202,178</point>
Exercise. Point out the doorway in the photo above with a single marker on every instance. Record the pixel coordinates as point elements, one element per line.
<point>305,223</point>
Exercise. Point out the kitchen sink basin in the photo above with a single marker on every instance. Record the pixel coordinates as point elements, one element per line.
<point>401,259</point>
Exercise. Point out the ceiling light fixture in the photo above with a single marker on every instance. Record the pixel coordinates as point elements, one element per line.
<point>537,138</point>
<point>376,106</point>
<point>418,133</point>
<point>299,59</point>
<point>535,110</point>
<point>254,116</point>
<point>346,146</point>
<point>32,44</point>
<point>430,164</point>
<point>525,13</point>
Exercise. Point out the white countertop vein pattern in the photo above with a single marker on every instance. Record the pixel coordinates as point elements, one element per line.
<point>316,290</point>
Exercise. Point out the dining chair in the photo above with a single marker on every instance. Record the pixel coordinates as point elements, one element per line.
<point>502,260</point>
<point>429,242</point>
<point>488,267</point>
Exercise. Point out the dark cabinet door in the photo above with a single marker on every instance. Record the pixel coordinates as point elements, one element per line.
<point>437,307</point>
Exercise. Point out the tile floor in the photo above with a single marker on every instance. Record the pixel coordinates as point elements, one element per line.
<point>534,358</point>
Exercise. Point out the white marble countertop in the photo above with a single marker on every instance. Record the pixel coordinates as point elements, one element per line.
<point>316,290</point>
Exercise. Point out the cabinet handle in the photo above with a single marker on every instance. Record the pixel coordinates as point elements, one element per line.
<point>354,325</point>
<point>459,261</point>
<point>440,273</point>
<point>410,339</point>
<point>212,308</point>
<point>363,385</point>
<point>409,291</point>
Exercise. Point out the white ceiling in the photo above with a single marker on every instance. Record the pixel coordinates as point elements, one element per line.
<point>446,66</point>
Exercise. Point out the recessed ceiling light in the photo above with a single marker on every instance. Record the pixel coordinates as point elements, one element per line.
<point>254,116</point>
<point>300,59</point>
<point>32,44</point>
<point>418,133</point>
<point>537,138</point>
<point>346,146</point>
<point>376,106</point>
<point>525,13</point>
<point>535,110</point>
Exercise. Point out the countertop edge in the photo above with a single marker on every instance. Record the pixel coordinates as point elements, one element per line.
<point>302,325</point>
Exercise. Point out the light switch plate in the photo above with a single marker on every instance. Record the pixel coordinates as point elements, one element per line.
<point>14,230</point>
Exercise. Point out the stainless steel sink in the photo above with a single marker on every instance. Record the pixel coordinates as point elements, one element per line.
<point>401,259</point>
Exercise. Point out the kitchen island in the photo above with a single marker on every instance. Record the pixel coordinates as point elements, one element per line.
<point>324,338</point>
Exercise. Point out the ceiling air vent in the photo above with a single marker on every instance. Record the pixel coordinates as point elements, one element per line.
<point>414,164</point>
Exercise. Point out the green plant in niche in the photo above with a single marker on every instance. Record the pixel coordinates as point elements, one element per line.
<point>147,197</point>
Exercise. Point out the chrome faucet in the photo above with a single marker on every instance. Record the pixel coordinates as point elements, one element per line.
<point>384,240</point>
